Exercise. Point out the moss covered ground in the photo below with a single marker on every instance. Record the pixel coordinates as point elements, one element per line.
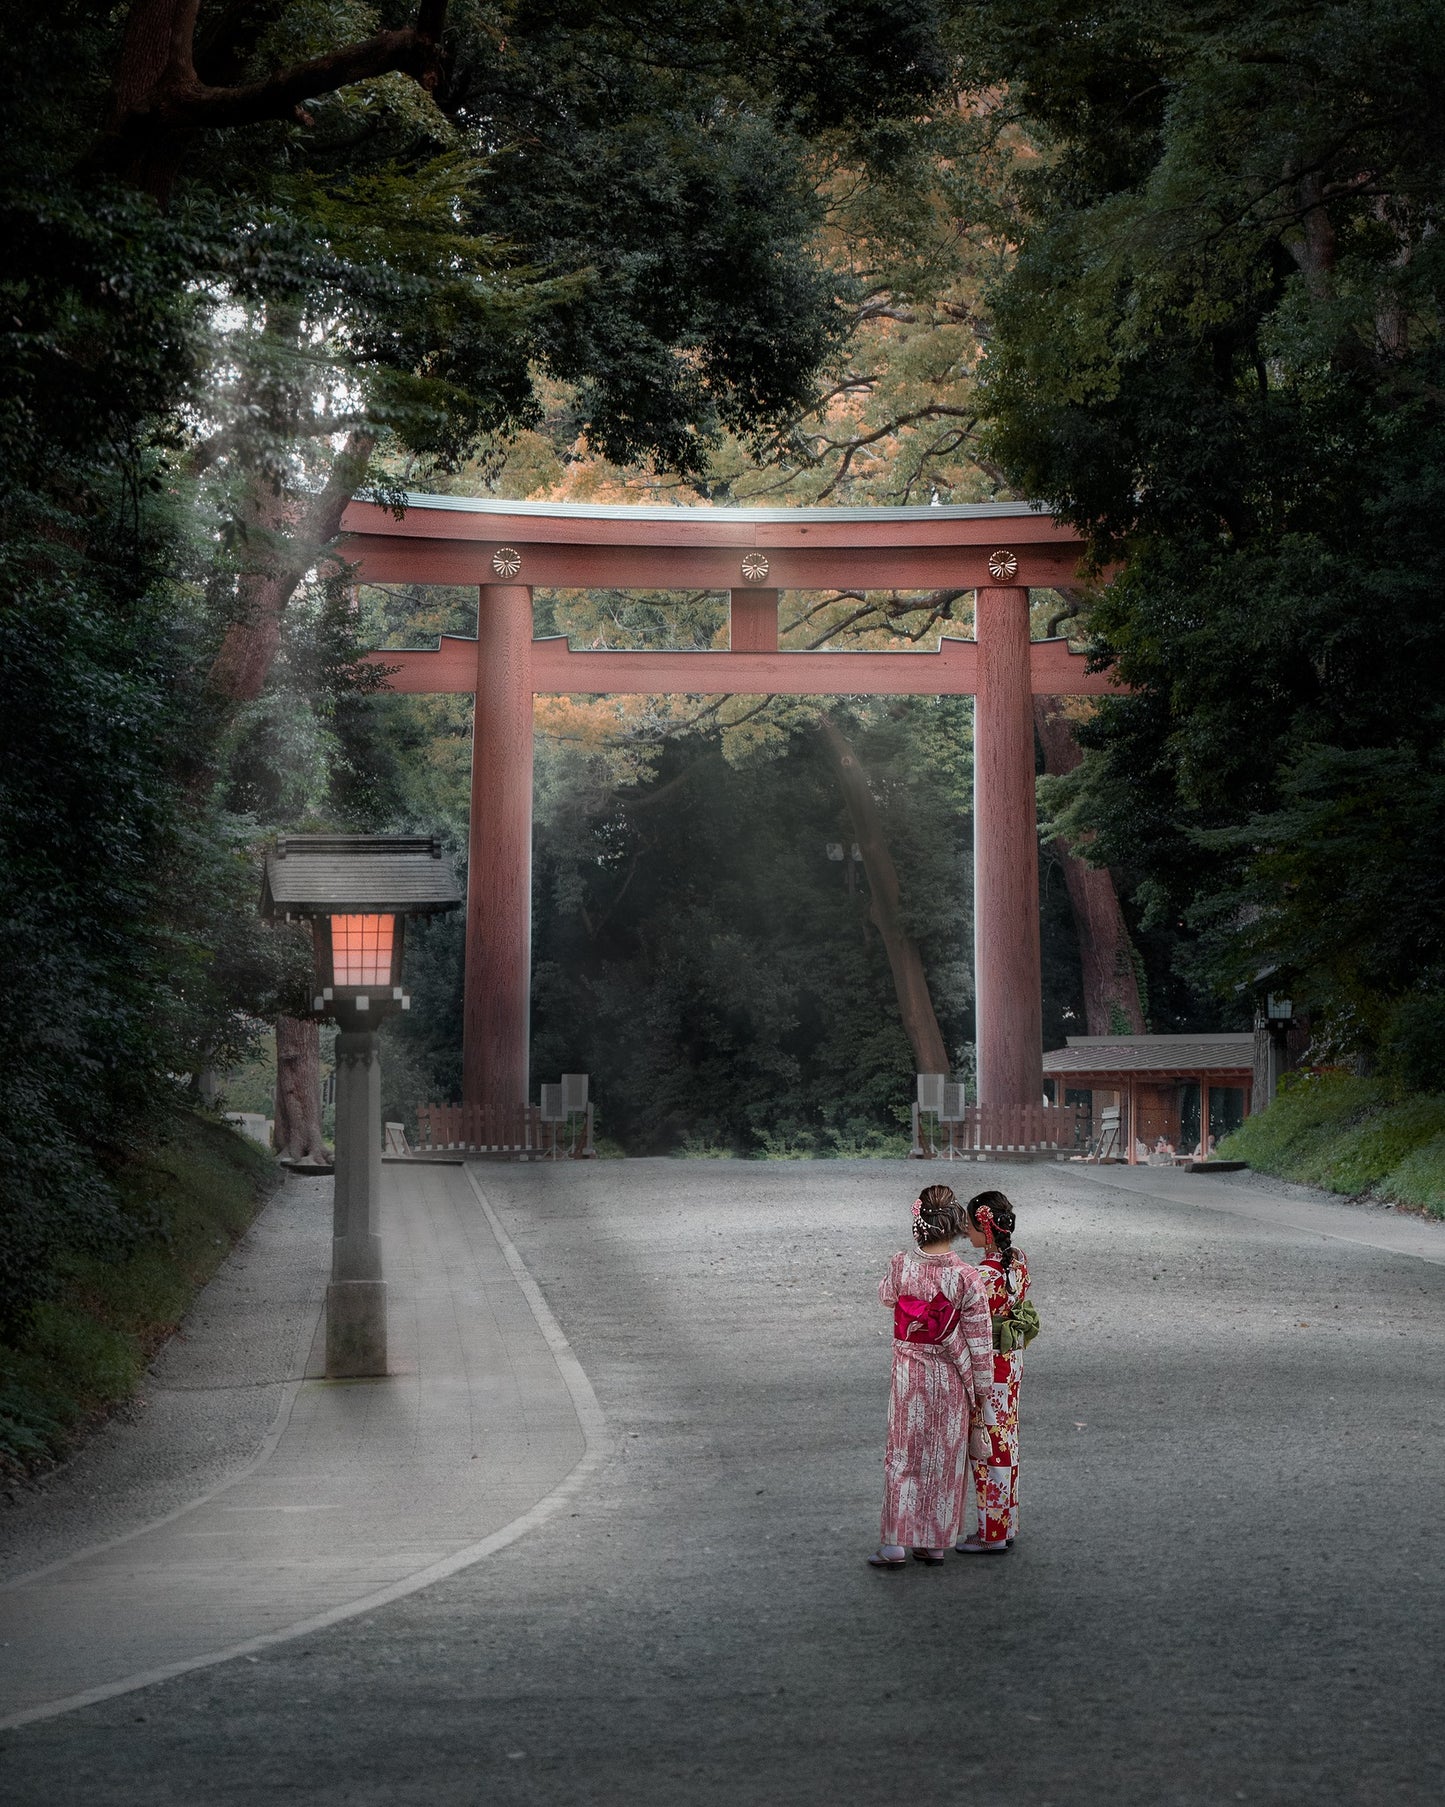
<point>85,1349</point>
<point>1351,1136</point>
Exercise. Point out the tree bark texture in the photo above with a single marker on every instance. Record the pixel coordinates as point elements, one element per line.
<point>298,1090</point>
<point>915,1005</point>
<point>1111,989</point>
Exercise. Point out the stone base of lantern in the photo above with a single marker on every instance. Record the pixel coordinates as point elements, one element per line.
<point>355,1329</point>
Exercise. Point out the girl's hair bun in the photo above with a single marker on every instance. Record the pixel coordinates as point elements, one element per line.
<point>992,1212</point>
<point>939,1217</point>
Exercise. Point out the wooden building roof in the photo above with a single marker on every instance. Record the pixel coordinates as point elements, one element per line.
<point>1112,1060</point>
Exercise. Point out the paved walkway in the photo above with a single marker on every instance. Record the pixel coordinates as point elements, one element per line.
<point>1228,1584</point>
<point>360,1492</point>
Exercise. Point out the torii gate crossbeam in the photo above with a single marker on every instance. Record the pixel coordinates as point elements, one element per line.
<point>1000,550</point>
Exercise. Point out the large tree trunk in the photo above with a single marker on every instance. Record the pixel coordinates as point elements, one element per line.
<point>910,983</point>
<point>298,1090</point>
<point>1111,990</point>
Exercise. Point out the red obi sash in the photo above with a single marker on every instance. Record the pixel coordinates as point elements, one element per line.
<point>925,1320</point>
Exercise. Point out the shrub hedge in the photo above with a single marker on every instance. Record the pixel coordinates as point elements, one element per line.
<point>83,1350</point>
<point>1352,1136</point>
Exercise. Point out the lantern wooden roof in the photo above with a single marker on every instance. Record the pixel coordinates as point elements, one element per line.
<point>1113,1060</point>
<point>338,874</point>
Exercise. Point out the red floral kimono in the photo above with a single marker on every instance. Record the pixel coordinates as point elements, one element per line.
<point>935,1385</point>
<point>996,1481</point>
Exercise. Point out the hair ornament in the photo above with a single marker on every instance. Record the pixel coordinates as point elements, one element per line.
<point>918,1207</point>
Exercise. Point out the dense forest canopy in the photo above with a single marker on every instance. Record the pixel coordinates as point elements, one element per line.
<point>1173,271</point>
<point>260,252</point>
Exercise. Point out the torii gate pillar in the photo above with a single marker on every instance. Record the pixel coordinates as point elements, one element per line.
<point>497,1011</point>
<point>1007,979</point>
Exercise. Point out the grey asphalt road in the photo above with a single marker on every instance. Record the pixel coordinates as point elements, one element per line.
<point>1228,1584</point>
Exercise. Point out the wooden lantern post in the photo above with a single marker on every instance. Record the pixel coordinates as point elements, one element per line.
<point>357,892</point>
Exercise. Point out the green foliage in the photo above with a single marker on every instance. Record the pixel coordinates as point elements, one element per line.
<point>788,1142</point>
<point>1341,887</point>
<point>1410,1041</point>
<point>696,1148</point>
<point>93,811</point>
<point>1219,352</point>
<point>1382,1142</point>
<point>1419,1179</point>
<point>859,1140</point>
<point>1351,1136</point>
<point>81,1352</point>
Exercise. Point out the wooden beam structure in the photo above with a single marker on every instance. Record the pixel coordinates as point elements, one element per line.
<point>506,549</point>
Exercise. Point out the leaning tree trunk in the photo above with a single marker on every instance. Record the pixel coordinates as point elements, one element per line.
<point>298,1090</point>
<point>1111,989</point>
<point>915,1005</point>
<point>284,536</point>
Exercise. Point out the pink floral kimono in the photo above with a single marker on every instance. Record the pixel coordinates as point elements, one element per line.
<point>942,1364</point>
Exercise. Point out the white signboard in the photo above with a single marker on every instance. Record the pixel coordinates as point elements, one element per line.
<point>930,1092</point>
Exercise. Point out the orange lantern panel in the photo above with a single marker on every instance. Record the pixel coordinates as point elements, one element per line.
<point>361,950</point>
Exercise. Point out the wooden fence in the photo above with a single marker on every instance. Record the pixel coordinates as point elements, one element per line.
<point>520,1130</point>
<point>516,1129</point>
<point>999,1129</point>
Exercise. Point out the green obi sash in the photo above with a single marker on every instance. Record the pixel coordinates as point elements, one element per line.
<point>1017,1329</point>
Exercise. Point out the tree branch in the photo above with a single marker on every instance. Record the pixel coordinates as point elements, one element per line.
<point>158,92</point>
<point>241,667</point>
<point>192,105</point>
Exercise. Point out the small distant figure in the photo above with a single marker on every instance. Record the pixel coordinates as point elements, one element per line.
<point>1202,1150</point>
<point>1015,1322</point>
<point>1163,1155</point>
<point>942,1372</point>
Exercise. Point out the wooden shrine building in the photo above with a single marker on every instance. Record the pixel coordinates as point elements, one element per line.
<point>1190,1090</point>
<point>998,549</point>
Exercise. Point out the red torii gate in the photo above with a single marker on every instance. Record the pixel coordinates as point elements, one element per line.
<point>998,549</point>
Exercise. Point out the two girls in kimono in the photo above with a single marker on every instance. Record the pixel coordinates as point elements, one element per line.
<point>953,1405</point>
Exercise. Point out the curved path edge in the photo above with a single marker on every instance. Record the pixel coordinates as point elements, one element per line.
<point>263,1452</point>
<point>596,1449</point>
<point>1242,1195</point>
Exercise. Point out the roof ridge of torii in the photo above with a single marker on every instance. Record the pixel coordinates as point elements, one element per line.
<point>1000,550</point>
